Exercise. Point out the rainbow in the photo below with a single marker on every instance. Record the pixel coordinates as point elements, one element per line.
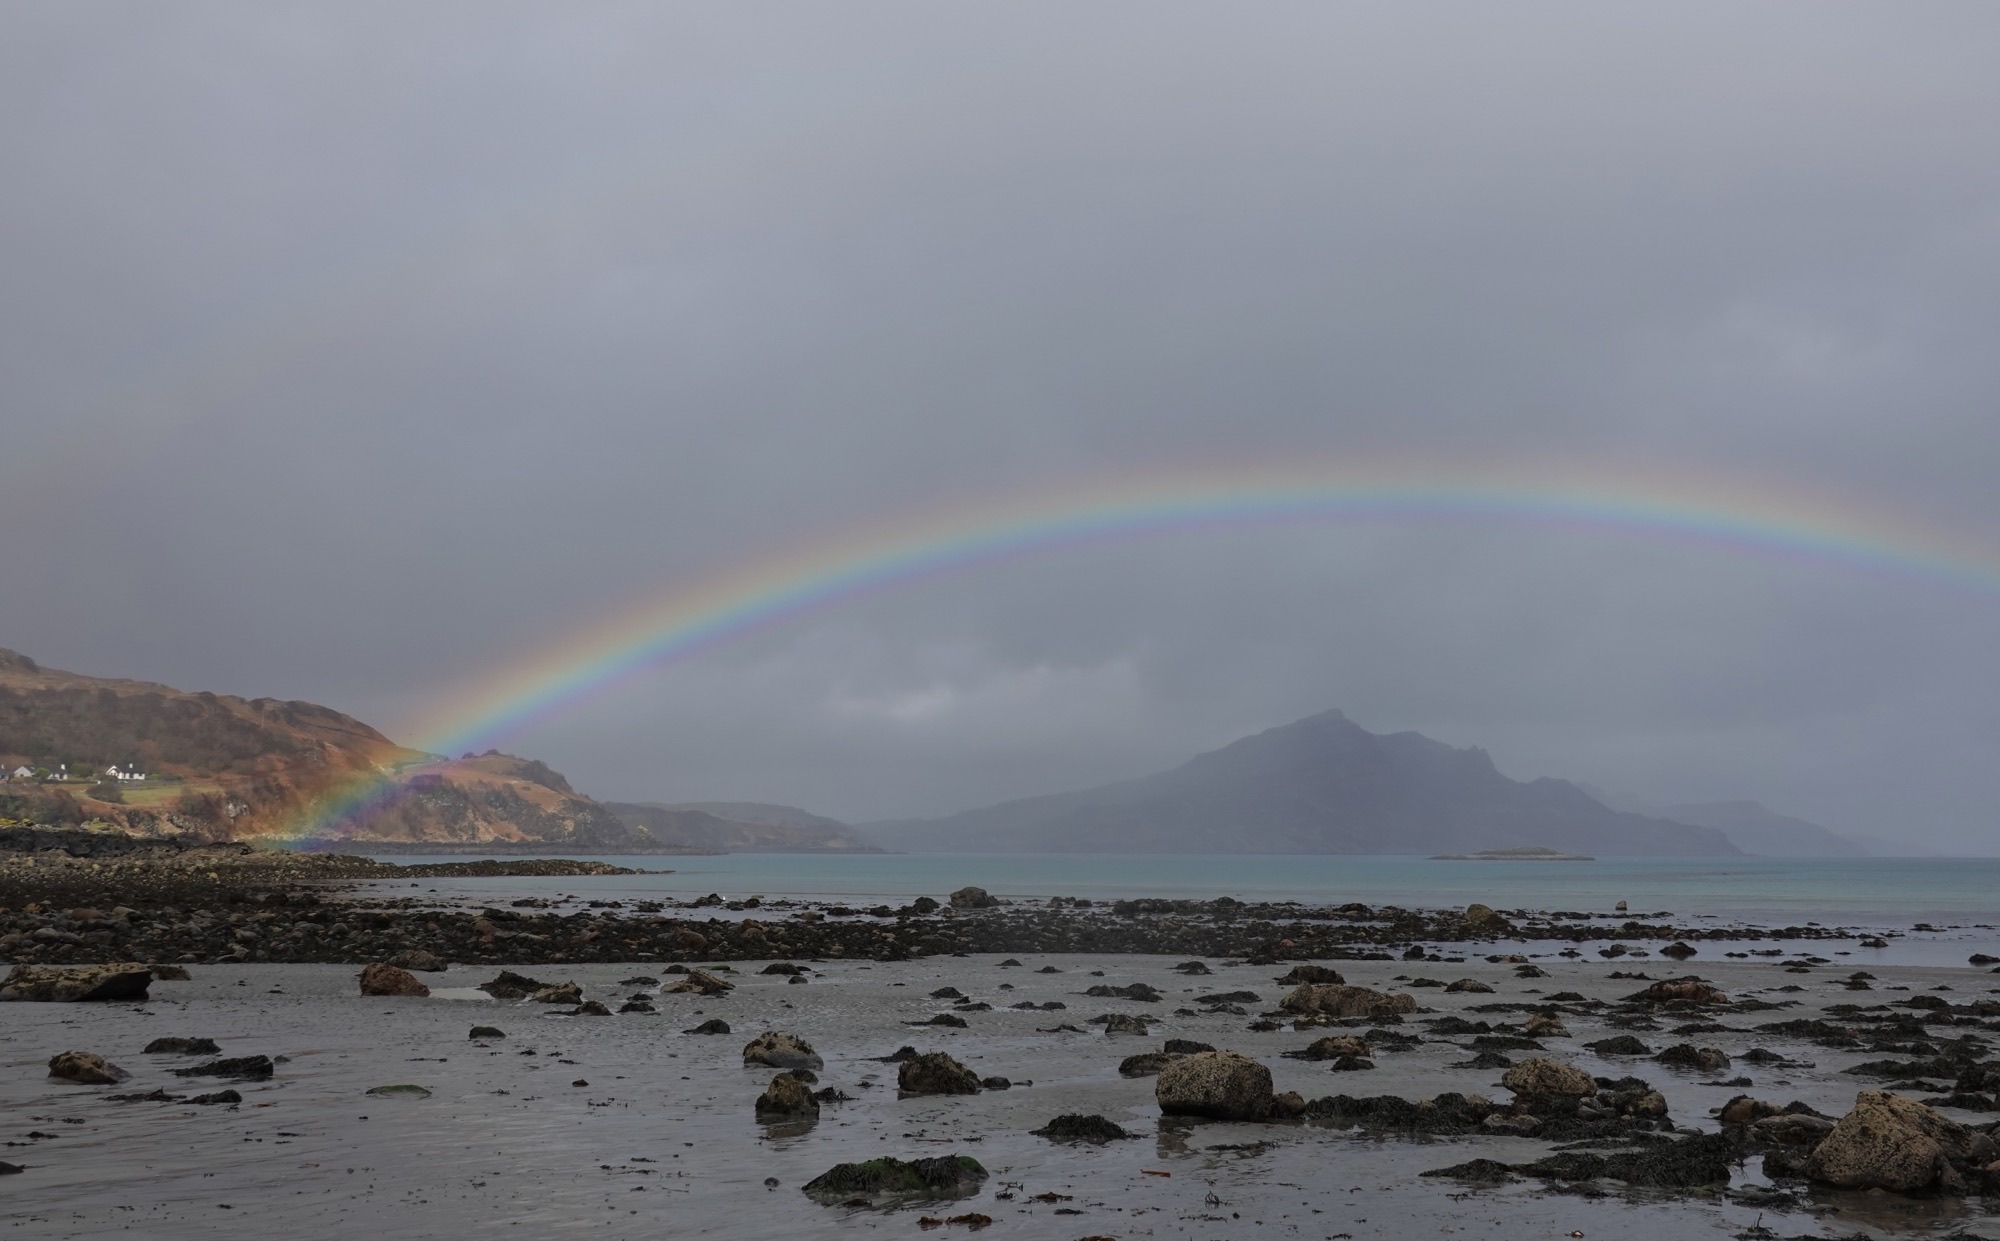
<point>1732,516</point>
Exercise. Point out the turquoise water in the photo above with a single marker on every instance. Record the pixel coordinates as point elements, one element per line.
<point>1869,892</point>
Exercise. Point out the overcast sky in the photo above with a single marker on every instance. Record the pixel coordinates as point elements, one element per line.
<point>358,352</point>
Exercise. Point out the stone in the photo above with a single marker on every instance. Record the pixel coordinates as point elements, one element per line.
<point>86,1068</point>
<point>1541,1076</point>
<point>1485,920</point>
<point>714,1025</point>
<point>241,1068</point>
<point>1122,1023</point>
<point>1620,1045</point>
<point>1145,1064</point>
<point>170,973</point>
<point>183,1047</point>
<point>1688,1056</point>
<point>700,982</point>
<point>1334,1048</point>
<point>76,984</point>
<point>787,1098</point>
<point>1545,1025</point>
<point>511,986</point>
<point>1220,1085</point>
<point>1889,1142</point>
<point>487,1032</point>
<point>973,898</point>
<point>418,959</point>
<point>889,1179</point>
<point>1744,1110</point>
<point>1310,973</point>
<point>781,1051</point>
<point>401,1090</point>
<point>1688,990</point>
<point>1679,950</point>
<point>1337,1000</point>
<point>1074,1127</point>
<point>380,979</point>
<point>1471,985</point>
<point>1184,1047</point>
<point>591,1008</point>
<point>561,993</point>
<point>936,1073</point>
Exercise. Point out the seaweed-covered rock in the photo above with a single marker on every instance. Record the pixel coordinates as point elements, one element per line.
<point>1476,1171</point>
<point>1183,1047</point>
<point>1542,1076</point>
<point>1340,1000</point>
<point>1889,1142</point>
<point>1471,985</point>
<point>86,1068</point>
<point>511,986</point>
<point>787,1098</point>
<point>240,1068</point>
<point>1078,1128</point>
<point>1121,1023</point>
<point>714,1025</point>
<point>1688,1056</point>
<point>1448,1114</point>
<point>1620,1045</point>
<point>781,1051</point>
<point>1484,920</point>
<point>969,897</point>
<point>1222,1085</point>
<point>1333,1048</point>
<point>1145,1064</point>
<point>1545,1025</point>
<point>183,1047</point>
<point>1323,974</point>
<point>1680,991</point>
<point>700,982</point>
<point>1704,1159</point>
<point>1140,991</point>
<point>936,1073</point>
<point>76,984</point>
<point>889,1179</point>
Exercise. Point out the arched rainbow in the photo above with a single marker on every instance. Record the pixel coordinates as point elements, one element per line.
<point>1738,517</point>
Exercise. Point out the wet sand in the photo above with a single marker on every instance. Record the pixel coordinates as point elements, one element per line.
<point>662,1139</point>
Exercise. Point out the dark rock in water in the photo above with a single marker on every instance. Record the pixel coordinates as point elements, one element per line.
<point>1184,1046</point>
<point>905,1052</point>
<point>76,984</point>
<point>936,1073</point>
<point>1050,969</point>
<point>1705,1159</point>
<point>1009,963</point>
<point>995,1083</point>
<point>1073,1127</point>
<point>786,1098</point>
<point>1121,1023</point>
<point>1136,991</point>
<point>1688,1056</point>
<point>1310,973</point>
<point>403,1090</point>
<point>243,1068</point>
<point>512,986</point>
<point>1549,1077</point>
<point>782,1051</point>
<point>714,1025</point>
<point>183,1047</point>
<point>219,1096</point>
<point>1192,967</point>
<point>1678,950</point>
<point>644,980</point>
<point>1679,991</point>
<point>1229,997</point>
<point>1221,1085</point>
<point>380,979</point>
<point>635,1006</point>
<point>10,1169</point>
<point>783,967</point>
<point>947,993</point>
<point>151,1096</point>
<point>560,993</point>
<point>972,898</point>
<point>946,1176</point>
<point>1350,1064</point>
<point>591,1008</point>
<point>86,1068</point>
<point>487,1032</point>
<point>942,1019</point>
<point>1621,1045</point>
<point>1332,1048</point>
<point>923,905</point>
<point>1335,1000</point>
<point>1145,1064</point>
<point>1469,985</point>
<point>1504,1042</point>
<point>1479,1171</point>
<point>1487,1060</point>
<point>1447,1114</point>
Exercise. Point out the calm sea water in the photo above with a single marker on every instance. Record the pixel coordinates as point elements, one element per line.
<point>1890,893</point>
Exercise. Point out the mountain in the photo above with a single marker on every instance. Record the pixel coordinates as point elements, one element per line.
<point>1321,785</point>
<point>741,827</point>
<point>226,768</point>
<point>1756,829</point>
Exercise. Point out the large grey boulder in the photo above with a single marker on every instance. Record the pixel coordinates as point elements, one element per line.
<point>1889,1142</point>
<point>1221,1085</point>
<point>781,1051</point>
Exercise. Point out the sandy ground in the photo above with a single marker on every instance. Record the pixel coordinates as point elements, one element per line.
<point>624,1126</point>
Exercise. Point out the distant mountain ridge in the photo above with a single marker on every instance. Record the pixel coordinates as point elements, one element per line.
<point>1322,784</point>
<point>1751,826</point>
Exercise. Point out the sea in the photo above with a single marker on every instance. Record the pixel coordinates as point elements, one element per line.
<point>1959,897</point>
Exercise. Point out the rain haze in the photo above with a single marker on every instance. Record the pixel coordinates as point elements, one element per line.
<point>364,353</point>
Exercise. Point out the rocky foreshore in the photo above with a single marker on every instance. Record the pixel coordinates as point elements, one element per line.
<point>78,898</point>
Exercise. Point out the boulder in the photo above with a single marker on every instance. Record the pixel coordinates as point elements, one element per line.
<point>487,1032</point>
<point>183,1047</point>
<point>1620,1045</point>
<point>936,1073</point>
<point>1485,920</point>
<point>73,984</point>
<point>1122,1023</point>
<point>714,1025</point>
<point>380,979</point>
<point>786,1098</point>
<point>1545,1025</point>
<point>973,898</point>
<point>1889,1142</point>
<point>1338,1000</point>
<point>700,982</point>
<point>1688,1056</point>
<point>511,986</point>
<point>1472,985</point>
<point>781,1051</point>
<point>561,993</point>
<point>1079,1128</point>
<point>1221,1085</point>
<point>86,1068</point>
<point>1310,973</point>
<point>418,959</point>
<point>1688,990</point>
<point>1679,950</point>
<point>889,1179</point>
<point>1542,1076</point>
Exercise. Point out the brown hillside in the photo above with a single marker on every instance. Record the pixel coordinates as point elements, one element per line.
<point>223,767</point>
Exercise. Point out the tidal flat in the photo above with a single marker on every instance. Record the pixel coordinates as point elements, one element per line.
<point>628,1125</point>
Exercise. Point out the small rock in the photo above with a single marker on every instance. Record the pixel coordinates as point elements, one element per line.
<point>85,1068</point>
<point>714,1025</point>
<point>183,1047</point>
<point>781,1051</point>
<point>380,979</point>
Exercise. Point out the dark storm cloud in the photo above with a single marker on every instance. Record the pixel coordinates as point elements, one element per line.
<point>352,352</point>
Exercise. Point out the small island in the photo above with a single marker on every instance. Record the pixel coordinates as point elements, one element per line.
<point>1530,853</point>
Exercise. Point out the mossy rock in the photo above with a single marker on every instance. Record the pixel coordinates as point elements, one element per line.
<point>887,1179</point>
